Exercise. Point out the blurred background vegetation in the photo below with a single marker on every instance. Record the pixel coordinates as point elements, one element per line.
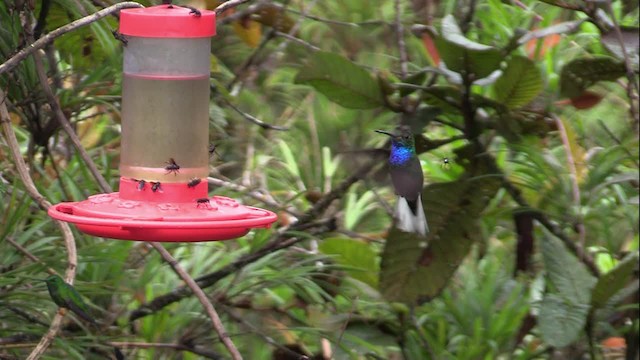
<point>526,115</point>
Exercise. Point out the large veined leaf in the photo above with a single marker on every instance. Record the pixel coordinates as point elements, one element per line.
<point>560,320</point>
<point>613,281</point>
<point>415,268</point>
<point>461,54</point>
<point>630,39</point>
<point>564,312</point>
<point>579,74</point>
<point>520,82</point>
<point>342,81</point>
<point>568,275</point>
<point>354,254</point>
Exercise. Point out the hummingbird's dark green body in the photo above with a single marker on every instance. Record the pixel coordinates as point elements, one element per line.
<point>407,179</point>
<point>66,296</point>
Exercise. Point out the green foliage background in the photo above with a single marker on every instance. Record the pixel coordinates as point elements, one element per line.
<point>528,101</point>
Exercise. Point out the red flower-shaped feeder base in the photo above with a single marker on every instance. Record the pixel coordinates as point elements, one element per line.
<point>174,212</point>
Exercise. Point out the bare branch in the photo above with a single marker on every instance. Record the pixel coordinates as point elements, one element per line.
<point>402,48</point>
<point>26,253</point>
<point>632,86</point>
<point>66,125</point>
<point>67,235</point>
<point>45,40</point>
<point>255,120</point>
<point>228,5</point>
<point>202,297</point>
<point>297,40</point>
<point>178,347</point>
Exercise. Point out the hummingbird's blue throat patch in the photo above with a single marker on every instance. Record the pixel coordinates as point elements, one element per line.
<point>400,155</point>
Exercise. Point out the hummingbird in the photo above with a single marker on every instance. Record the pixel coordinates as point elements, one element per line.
<point>407,179</point>
<point>66,296</point>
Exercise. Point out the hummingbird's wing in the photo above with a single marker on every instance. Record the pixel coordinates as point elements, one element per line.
<point>76,304</point>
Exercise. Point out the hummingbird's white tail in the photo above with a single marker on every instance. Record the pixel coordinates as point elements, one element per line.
<point>407,221</point>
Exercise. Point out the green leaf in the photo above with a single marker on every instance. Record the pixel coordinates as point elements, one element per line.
<point>564,312</point>
<point>463,55</point>
<point>451,32</point>
<point>561,321</point>
<point>630,38</point>
<point>569,276</point>
<point>579,74</point>
<point>615,280</point>
<point>342,81</point>
<point>357,255</point>
<point>520,83</point>
<point>87,47</point>
<point>560,28</point>
<point>412,271</point>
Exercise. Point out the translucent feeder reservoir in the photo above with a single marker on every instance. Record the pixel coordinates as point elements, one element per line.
<point>165,131</point>
<point>165,97</point>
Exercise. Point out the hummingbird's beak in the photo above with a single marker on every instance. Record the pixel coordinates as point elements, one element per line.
<point>384,132</point>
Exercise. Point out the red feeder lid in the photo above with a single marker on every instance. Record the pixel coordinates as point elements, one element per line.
<point>167,21</point>
<point>173,213</point>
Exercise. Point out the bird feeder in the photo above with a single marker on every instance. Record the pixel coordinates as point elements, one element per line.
<point>165,135</point>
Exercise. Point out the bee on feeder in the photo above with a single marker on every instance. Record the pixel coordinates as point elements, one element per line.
<point>203,201</point>
<point>141,184</point>
<point>155,185</point>
<point>194,182</point>
<point>172,167</point>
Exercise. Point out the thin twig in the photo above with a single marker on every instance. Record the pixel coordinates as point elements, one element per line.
<point>66,125</point>
<point>202,297</point>
<point>297,40</point>
<point>338,22</point>
<point>402,48</point>
<point>617,141</point>
<point>631,78</point>
<point>255,120</point>
<point>50,37</point>
<point>26,253</point>
<point>67,235</point>
<point>264,336</point>
<point>179,347</point>
<point>26,315</point>
<point>228,5</point>
<point>254,194</point>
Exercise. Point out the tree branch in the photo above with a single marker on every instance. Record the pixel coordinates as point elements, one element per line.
<point>402,48</point>
<point>228,5</point>
<point>279,241</point>
<point>67,235</point>
<point>43,41</point>
<point>202,297</point>
<point>255,120</point>
<point>66,125</point>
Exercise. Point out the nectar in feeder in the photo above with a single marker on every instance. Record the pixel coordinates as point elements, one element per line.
<point>165,132</point>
